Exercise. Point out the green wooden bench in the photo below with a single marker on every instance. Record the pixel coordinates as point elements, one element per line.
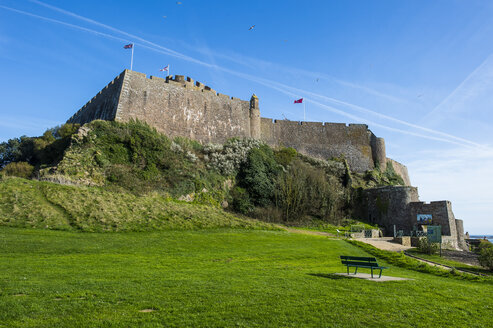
<point>361,262</point>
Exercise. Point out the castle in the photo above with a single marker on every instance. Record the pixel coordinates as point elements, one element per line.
<point>176,106</point>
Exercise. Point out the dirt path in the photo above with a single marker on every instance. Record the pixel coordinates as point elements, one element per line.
<point>384,243</point>
<point>309,232</point>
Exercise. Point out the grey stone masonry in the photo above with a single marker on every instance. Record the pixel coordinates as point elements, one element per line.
<point>179,106</point>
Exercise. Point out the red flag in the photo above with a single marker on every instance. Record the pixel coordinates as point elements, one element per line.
<point>165,69</point>
<point>299,101</point>
<point>128,46</point>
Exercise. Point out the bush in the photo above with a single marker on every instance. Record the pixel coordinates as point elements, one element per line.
<point>426,247</point>
<point>307,190</point>
<point>241,200</point>
<point>258,174</point>
<point>285,156</point>
<point>486,254</point>
<point>270,214</point>
<point>227,159</point>
<point>18,169</point>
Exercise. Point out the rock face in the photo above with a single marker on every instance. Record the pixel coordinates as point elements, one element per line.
<point>176,106</point>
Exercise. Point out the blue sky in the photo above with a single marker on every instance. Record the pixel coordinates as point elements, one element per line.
<point>419,73</point>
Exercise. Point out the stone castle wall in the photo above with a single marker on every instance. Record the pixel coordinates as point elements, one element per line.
<point>442,215</point>
<point>401,170</point>
<point>322,140</point>
<point>389,206</point>
<point>400,205</point>
<point>179,107</point>
<point>102,106</point>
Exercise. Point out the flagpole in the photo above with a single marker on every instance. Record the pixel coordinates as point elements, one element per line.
<point>304,111</point>
<point>132,59</point>
<point>169,68</point>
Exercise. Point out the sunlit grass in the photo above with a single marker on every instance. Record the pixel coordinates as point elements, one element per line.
<point>216,278</point>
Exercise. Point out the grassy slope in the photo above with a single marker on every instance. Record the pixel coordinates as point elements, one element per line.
<point>455,264</point>
<point>28,203</point>
<point>220,278</point>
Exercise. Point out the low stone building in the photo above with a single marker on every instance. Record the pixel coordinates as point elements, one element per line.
<point>397,208</point>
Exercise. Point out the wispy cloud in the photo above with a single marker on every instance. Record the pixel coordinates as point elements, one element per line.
<point>435,135</point>
<point>31,124</point>
<point>476,82</point>
<point>459,174</point>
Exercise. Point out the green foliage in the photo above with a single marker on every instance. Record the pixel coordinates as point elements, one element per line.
<point>258,173</point>
<point>227,159</point>
<point>18,169</point>
<point>211,198</point>
<point>376,178</point>
<point>427,247</point>
<point>241,200</point>
<point>65,130</point>
<point>307,190</point>
<point>135,157</point>
<point>285,155</point>
<point>391,176</point>
<point>45,150</point>
<point>486,254</point>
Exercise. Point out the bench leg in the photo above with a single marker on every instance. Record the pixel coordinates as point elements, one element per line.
<point>347,266</point>
<point>355,271</point>
<point>372,273</point>
<point>380,276</point>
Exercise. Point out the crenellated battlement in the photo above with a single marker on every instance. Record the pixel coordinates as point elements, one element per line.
<point>178,105</point>
<point>181,81</point>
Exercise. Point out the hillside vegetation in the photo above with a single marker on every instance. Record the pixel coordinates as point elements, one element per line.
<point>28,203</point>
<point>125,160</point>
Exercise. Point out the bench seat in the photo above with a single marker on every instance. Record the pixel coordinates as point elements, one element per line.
<point>361,262</point>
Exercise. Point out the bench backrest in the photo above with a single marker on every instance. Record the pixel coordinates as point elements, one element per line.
<point>357,260</point>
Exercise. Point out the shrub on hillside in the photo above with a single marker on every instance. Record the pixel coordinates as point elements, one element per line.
<point>285,155</point>
<point>307,190</point>
<point>258,174</point>
<point>241,200</point>
<point>46,149</point>
<point>486,254</point>
<point>392,177</point>
<point>228,158</point>
<point>18,169</point>
<point>427,247</point>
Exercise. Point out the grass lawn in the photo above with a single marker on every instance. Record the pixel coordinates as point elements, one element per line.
<point>442,260</point>
<point>216,278</point>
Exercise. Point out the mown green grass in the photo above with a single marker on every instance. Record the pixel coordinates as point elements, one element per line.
<point>35,204</point>
<point>442,260</point>
<point>216,278</point>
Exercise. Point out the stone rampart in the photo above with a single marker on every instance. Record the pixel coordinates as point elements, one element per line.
<point>400,205</point>
<point>389,206</point>
<point>102,106</point>
<point>401,170</point>
<point>179,106</point>
<point>442,215</point>
<point>322,140</point>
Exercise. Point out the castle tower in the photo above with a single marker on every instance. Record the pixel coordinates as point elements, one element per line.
<point>254,118</point>
<point>379,154</point>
